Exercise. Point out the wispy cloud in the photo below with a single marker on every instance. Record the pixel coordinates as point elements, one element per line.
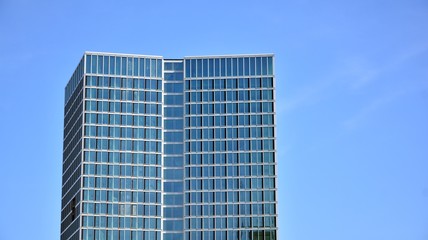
<point>358,73</point>
<point>363,74</point>
<point>306,96</point>
<point>374,74</point>
<point>365,112</point>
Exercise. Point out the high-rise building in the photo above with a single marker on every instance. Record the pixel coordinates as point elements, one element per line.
<point>168,149</point>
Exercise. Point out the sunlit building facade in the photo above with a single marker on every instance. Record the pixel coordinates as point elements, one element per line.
<point>159,148</point>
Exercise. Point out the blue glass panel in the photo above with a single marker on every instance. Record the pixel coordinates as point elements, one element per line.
<point>173,111</point>
<point>124,66</point>
<point>187,63</point>
<point>173,236</point>
<point>205,68</point>
<point>222,67</point>
<point>252,66</point>
<point>135,67</point>
<point>173,161</point>
<point>141,67</point>
<point>234,67</point>
<point>94,64</point>
<point>258,66</point>
<point>228,67</point>
<point>270,66</point>
<point>147,67</point>
<point>176,76</point>
<point>246,66</point>
<point>118,64</point>
<point>159,68</point>
<point>264,65</point>
<point>173,186</point>
<point>173,174</point>
<point>88,63</point>
<point>105,68</point>
<point>111,67</point>
<point>199,68</point>
<point>216,67</point>
<point>153,67</point>
<point>240,67</point>
<point>173,225</point>
<point>173,136</point>
<point>173,99</point>
<point>175,149</point>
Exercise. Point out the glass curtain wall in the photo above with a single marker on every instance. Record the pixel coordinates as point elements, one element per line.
<point>173,150</point>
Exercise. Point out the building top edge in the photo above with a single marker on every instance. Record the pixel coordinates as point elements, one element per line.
<point>233,55</point>
<point>177,59</point>
<point>123,54</point>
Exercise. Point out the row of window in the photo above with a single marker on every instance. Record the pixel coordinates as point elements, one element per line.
<point>116,65</point>
<point>121,222</point>
<point>123,183</point>
<point>230,209</point>
<point>223,184</point>
<point>229,96</point>
<point>123,107</point>
<point>234,223</point>
<point>233,145</point>
<point>230,83</point>
<point>103,234</point>
<point>123,95</point>
<point>119,119</point>
<point>230,158</point>
<point>177,161</point>
<point>229,171</point>
<point>231,183</point>
<point>122,145</point>
<point>191,109</point>
<point>122,157</point>
<point>121,196</point>
<point>229,108</point>
<point>223,121</point>
<point>219,67</point>
<point>121,209</point>
<point>122,170</point>
<point>123,132</point>
<point>230,133</point>
<point>220,146</point>
<point>232,196</point>
<point>195,210</point>
<point>230,235</point>
<point>117,82</point>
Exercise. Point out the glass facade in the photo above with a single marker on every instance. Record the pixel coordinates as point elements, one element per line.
<point>170,148</point>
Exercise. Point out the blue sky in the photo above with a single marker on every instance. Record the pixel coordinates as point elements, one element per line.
<point>352,102</point>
